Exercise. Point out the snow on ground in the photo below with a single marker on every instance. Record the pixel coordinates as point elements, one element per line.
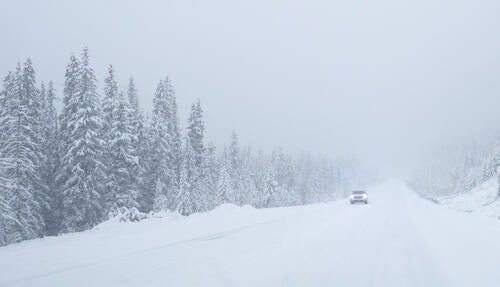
<point>399,239</point>
<point>482,199</point>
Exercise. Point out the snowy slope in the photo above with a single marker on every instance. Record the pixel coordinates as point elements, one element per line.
<point>482,199</point>
<point>398,239</point>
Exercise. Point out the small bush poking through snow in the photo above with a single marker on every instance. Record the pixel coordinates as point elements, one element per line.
<point>124,214</point>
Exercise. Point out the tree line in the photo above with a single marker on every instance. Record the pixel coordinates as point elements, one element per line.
<point>459,166</point>
<point>100,157</point>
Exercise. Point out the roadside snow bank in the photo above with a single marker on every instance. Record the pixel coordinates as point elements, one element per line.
<point>134,216</point>
<point>482,199</point>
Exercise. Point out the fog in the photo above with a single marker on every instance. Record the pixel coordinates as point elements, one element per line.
<point>386,81</point>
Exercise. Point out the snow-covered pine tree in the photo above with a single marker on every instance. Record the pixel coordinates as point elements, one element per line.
<point>81,172</point>
<point>268,199</point>
<point>234,152</point>
<point>196,130</point>
<point>69,103</point>
<point>132,95</point>
<point>177,153</point>
<point>140,140</point>
<point>42,171</point>
<point>195,159</point>
<point>284,175</point>
<point>210,176</point>
<point>51,159</point>
<point>149,179</point>
<point>235,164</point>
<point>110,105</point>
<point>491,166</point>
<point>31,94</point>
<point>305,167</point>
<point>186,198</point>
<point>20,152</point>
<point>123,159</point>
<point>161,151</point>
<point>137,115</point>
<point>160,200</point>
<point>110,99</point>
<point>223,187</point>
<point>259,168</point>
<point>7,218</point>
<point>250,193</point>
<point>65,135</point>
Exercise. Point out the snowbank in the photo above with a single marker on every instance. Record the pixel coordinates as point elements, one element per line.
<point>128,218</point>
<point>482,199</point>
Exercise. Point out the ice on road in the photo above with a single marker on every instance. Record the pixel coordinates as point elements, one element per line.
<point>398,239</point>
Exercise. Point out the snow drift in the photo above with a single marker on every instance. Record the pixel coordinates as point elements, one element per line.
<point>482,199</point>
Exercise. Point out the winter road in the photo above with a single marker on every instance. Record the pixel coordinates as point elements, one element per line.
<point>398,239</point>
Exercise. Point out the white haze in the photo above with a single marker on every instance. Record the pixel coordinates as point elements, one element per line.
<point>386,81</point>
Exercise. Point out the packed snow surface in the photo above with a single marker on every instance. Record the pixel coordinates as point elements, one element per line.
<point>482,199</point>
<point>398,239</point>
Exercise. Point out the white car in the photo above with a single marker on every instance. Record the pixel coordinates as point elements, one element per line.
<point>358,196</point>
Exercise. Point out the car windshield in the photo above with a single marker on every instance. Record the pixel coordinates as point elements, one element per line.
<point>358,192</point>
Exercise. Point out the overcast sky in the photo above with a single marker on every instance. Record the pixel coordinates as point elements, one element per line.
<point>383,80</point>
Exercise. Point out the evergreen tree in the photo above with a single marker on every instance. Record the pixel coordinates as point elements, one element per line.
<point>132,95</point>
<point>7,217</point>
<point>284,175</point>
<point>32,96</point>
<point>224,190</point>
<point>51,158</point>
<point>110,106</point>
<point>304,177</point>
<point>259,167</point>
<point>235,164</point>
<point>210,176</point>
<point>139,141</point>
<point>65,136</point>
<point>160,200</point>
<point>196,129</point>
<point>195,158</point>
<point>250,193</point>
<point>161,153</point>
<point>20,153</point>
<point>234,152</point>
<point>81,166</point>
<point>148,180</point>
<point>110,100</point>
<point>189,186</point>
<point>269,190</point>
<point>123,158</point>
<point>70,106</point>
<point>177,153</point>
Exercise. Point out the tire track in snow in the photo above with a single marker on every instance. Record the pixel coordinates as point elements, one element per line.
<point>208,237</point>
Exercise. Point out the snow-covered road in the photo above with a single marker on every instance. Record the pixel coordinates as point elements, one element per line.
<point>398,239</point>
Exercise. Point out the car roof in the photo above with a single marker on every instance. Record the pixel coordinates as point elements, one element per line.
<point>359,191</point>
